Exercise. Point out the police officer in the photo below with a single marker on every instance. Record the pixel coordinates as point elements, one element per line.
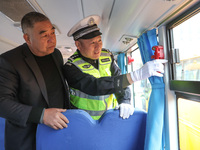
<point>94,77</point>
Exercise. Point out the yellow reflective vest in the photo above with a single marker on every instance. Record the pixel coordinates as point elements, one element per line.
<point>94,105</point>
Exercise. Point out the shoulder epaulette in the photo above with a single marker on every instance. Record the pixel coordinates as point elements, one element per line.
<point>71,58</point>
<point>107,50</point>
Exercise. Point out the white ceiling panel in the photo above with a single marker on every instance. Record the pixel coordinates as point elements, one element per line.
<point>120,19</point>
<point>8,31</point>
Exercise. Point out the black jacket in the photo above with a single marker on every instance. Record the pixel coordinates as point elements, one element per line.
<point>23,96</point>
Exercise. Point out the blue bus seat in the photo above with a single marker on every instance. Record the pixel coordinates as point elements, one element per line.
<point>110,132</point>
<point>2,131</point>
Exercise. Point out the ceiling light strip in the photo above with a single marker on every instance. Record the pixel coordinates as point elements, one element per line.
<point>35,6</point>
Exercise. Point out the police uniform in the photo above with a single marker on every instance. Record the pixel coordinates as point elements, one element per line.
<point>95,84</point>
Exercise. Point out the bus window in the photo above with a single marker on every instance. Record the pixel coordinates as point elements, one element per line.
<point>186,39</point>
<point>189,125</point>
<point>141,89</point>
<point>184,34</point>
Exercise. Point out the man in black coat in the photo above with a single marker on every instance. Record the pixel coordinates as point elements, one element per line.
<point>32,87</point>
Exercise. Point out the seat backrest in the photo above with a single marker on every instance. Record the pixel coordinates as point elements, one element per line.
<point>2,132</point>
<point>83,133</point>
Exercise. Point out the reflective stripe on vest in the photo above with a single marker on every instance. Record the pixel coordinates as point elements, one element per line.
<point>83,95</point>
<point>94,105</point>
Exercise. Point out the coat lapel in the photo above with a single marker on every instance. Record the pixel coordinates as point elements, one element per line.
<point>30,60</point>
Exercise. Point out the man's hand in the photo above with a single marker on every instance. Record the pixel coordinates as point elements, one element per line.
<point>126,110</point>
<point>55,119</point>
<point>151,68</point>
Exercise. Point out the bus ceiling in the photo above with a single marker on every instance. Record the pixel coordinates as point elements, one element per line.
<point>122,22</point>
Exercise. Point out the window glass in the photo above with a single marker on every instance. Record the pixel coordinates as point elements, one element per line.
<point>189,124</point>
<point>141,89</point>
<point>187,40</point>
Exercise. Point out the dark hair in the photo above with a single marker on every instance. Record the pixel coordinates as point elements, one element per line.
<point>30,19</point>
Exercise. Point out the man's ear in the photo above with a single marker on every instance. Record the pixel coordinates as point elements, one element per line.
<point>27,38</point>
<point>77,43</point>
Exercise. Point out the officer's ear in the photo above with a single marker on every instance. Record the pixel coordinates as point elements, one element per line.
<point>78,44</point>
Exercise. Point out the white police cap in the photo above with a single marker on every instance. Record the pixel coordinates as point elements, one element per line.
<point>86,28</point>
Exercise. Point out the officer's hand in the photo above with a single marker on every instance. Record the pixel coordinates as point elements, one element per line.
<point>55,119</point>
<point>151,68</point>
<point>126,110</point>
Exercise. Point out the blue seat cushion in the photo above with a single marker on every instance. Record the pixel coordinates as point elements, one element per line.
<point>2,131</point>
<point>83,133</point>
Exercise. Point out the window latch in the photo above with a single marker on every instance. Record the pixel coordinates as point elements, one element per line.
<point>175,56</point>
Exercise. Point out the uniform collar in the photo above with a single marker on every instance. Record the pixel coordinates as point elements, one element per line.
<point>91,61</point>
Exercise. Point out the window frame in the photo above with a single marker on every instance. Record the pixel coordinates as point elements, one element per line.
<point>182,86</point>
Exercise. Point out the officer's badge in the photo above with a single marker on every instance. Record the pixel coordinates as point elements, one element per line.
<point>86,66</point>
<point>105,60</point>
<point>91,21</point>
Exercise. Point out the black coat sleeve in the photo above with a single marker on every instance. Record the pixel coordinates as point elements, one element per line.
<point>124,95</point>
<point>88,83</point>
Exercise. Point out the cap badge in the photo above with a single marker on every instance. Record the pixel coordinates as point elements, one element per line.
<point>91,21</point>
